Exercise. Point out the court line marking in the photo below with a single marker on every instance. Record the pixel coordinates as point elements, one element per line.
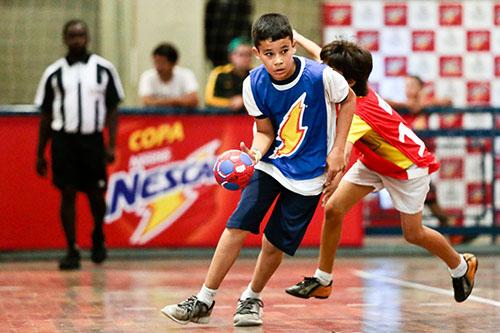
<point>402,283</point>
<point>140,308</point>
<point>289,306</point>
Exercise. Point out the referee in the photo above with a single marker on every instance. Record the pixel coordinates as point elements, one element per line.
<point>78,96</point>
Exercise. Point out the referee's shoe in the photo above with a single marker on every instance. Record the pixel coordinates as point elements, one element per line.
<point>70,261</point>
<point>98,252</point>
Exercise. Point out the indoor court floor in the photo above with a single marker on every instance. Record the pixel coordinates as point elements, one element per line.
<point>376,294</point>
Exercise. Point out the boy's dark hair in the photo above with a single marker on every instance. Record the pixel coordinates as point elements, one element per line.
<point>274,26</point>
<point>71,23</point>
<point>354,62</point>
<point>168,51</point>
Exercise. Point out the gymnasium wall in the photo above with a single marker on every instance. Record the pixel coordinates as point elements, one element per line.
<point>123,31</point>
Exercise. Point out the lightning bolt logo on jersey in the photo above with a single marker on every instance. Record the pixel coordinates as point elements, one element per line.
<point>302,116</point>
<point>291,132</point>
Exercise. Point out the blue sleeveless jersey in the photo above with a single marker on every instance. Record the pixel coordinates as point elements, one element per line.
<point>298,113</point>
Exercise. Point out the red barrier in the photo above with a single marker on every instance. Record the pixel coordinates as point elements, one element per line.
<point>161,191</point>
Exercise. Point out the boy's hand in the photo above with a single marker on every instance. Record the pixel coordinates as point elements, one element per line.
<point>335,163</point>
<point>254,153</point>
<point>327,193</point>
<point>330,188</point>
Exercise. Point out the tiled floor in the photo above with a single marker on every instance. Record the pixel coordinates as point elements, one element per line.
<point>371,295</point>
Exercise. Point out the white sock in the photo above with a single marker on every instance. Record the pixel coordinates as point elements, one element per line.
<point>249,293</point>
<point>206,295</point>
<point>460,270</point>
<point>323,277</point>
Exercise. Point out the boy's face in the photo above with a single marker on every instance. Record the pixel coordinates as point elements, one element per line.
<point>277,57</point>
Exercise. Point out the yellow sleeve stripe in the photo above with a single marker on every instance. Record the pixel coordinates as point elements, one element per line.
<point>358,129</point>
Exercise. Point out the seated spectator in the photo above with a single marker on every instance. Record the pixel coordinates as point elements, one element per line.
<point>225,82</point>
<point>417,99</point>
<point>168,84</point>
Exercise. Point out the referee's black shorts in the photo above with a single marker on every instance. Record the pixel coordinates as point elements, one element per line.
<point>78,161</point>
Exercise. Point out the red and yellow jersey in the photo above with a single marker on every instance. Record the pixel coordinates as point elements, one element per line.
<point>360,130</point>
<point>387,145</point>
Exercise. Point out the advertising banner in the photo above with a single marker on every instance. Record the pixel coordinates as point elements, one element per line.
<point>161,189</point>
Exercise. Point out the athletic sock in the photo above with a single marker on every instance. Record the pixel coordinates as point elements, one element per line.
<point>249,293</point>
<point>323,277</point>
<point>460,270</point>
<point>206,295</point>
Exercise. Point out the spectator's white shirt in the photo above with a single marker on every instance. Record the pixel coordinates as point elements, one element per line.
<point>182,82</point>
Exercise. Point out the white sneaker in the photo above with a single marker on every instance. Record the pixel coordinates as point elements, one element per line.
<point>190,310</point>
<point>248,312</point>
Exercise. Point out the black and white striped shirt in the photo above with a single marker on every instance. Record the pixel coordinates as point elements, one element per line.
<point>78,94</point>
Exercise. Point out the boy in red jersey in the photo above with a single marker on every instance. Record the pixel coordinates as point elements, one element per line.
<point>392,156</point>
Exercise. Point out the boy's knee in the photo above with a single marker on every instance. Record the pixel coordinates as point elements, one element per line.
<point>269,248</point>
<point>414,237</point>
<point>334,212</point>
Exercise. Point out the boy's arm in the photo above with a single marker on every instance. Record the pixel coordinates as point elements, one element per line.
<point>262,139</point>
<point>336,160</point>
<point>311,47</point>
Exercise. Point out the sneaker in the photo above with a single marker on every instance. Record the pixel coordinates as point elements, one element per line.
<point>191,310</point>
<point>310,287</point>
<point>462,286</point>
<point>248,312</point>
<point>98,253</point>
<point>71,261</point>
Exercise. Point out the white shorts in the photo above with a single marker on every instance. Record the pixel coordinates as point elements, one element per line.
<point>408,195</point>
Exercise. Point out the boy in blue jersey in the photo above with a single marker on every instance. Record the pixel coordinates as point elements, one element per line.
<point>298,144</point>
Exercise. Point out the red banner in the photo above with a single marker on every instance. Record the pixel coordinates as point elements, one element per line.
<point>161,191</point>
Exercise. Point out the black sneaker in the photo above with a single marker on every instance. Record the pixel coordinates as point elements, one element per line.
<point>248,312</point>
<point>98,253</point>
<point>462,286</point>
<point>310,287</point>
<point>71,261</point>
<point>190,310</point>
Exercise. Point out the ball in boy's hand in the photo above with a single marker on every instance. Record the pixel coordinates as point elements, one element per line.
<point>233,169</point>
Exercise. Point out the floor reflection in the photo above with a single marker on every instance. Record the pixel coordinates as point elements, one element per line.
<point>126,296</point>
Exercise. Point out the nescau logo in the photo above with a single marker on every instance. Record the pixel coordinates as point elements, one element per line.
<point>159,195</point>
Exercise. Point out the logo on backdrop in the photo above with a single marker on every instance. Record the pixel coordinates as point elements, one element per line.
<point>478,93</point>
<point>451,66</point>
<point>395,14</point>
<point>496,14</point>
<point>395,66</point>
<point>478,40</point>
<point>155,188</point>
<point>450,14</point>
<point>369,39</point>
<point>338,14</point>
<point>451,168</point>
<point>423,40</point>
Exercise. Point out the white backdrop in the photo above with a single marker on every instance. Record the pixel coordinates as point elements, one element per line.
<point>452,45</point>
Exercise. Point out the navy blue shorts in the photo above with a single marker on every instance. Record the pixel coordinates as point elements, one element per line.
<point>290,217</point>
